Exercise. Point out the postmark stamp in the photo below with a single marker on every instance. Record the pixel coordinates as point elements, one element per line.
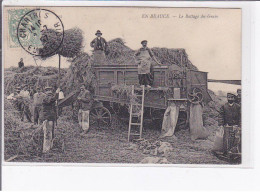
<point>40,32</point>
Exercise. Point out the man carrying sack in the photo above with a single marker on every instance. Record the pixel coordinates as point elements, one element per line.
<point>48,116</point>
<point>100,48</point>
<point>85,100</point>
<point>229,120</point>
<point>144,56</point>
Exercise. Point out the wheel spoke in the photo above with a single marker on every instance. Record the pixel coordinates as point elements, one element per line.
<point>104,114</point>
<point>104,121</point>
<point>96,112</point>
<point>105,117</point>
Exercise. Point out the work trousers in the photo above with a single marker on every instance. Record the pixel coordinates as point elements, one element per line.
<point>145,79</point>
<point>36,114</point>
<point>48,131</point>
<point>83,118</point>
<point>26,111</point>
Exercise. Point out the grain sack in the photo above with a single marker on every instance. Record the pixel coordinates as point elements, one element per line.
<point>197,130</point>
<point>170,120</point>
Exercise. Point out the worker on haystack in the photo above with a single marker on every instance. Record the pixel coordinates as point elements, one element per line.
<point>37,103</point>
<point>100,49</point>
<point>238,97</point>
<point>144,56</point>
<point>20,63</point>
<point>48,116</point>
<point>229,117</point>
<point>85,99</point>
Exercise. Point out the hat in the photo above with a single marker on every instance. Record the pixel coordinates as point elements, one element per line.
<point>231,95</point>
<point>98,32</point>
<point>143,41</point>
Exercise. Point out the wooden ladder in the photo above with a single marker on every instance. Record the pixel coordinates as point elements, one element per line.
<point>136,115</point>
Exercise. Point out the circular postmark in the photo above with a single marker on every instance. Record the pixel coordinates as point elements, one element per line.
<point>40,32</point>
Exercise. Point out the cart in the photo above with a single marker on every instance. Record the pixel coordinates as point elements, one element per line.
<point>170,82</point>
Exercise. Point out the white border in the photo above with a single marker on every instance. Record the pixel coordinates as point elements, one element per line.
<point>247,8</point>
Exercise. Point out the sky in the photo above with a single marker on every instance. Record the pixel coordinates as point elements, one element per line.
<point>211,37</point>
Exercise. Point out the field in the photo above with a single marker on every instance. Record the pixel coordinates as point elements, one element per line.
<point>23,141</point>
<point>111,146</point>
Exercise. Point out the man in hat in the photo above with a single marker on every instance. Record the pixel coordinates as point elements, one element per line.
<point>100,48</point>
<point>20,63</point>
<point>85,99</point>
<point>37,103</point>
<point>229,116</point>
<point>144,56</point>
<point>48,116</point>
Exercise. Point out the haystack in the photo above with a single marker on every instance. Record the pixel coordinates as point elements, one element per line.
<point>30,75</point>
<point>79,72</point>
<point>120,54</point>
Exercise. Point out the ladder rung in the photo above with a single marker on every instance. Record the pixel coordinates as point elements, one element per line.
<point>135,134</point>
<point>135,114</point>
<point>135,123</point>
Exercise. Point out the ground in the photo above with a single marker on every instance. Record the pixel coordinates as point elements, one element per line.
<point>111,146</point>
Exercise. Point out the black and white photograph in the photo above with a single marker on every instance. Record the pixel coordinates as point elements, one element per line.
<point>122,85</point>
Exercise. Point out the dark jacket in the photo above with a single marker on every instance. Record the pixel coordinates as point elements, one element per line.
<point>20,64</point>
<point>229,115</point>
<point>86,100</point>
<point>48,108</point>
<point>238,100</point>
<point>102,46</point>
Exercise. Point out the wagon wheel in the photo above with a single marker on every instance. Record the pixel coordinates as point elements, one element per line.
<point>195,95</point>
<point>100,117</point>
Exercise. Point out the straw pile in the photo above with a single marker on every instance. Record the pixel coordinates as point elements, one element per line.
<point>20,138</point>
<point>120,54</point>
<point>33,76</point>
<point>79,72</point>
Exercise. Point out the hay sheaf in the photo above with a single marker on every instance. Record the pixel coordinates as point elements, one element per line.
<point>79,72</point>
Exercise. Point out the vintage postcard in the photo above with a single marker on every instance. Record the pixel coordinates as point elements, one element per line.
<point>122,85</point>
